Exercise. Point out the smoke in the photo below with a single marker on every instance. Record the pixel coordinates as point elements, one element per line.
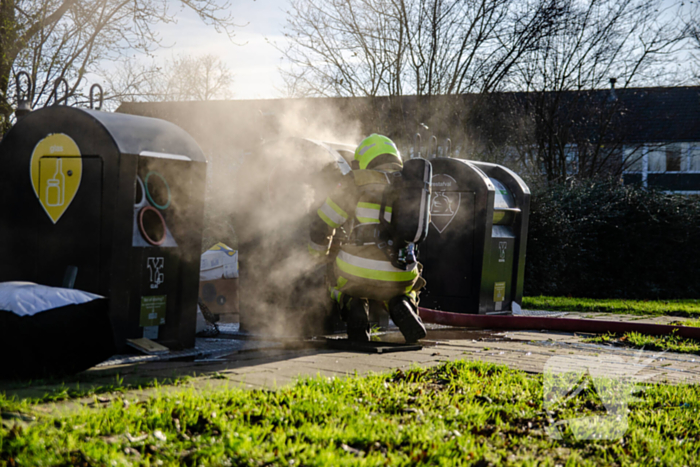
<point>267,189</point>
<point>267,174</point>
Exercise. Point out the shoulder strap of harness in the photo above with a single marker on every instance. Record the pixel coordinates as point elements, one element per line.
<point>370,177</point>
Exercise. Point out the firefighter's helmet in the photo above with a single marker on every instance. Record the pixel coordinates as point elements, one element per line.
<point>376,150</point>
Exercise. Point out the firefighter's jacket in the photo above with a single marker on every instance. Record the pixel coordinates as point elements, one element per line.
<point>361,271</point>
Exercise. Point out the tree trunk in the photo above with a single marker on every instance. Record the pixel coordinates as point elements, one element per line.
<point>8,36</point>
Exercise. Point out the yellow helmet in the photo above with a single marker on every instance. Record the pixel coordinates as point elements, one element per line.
<point>375,146</point>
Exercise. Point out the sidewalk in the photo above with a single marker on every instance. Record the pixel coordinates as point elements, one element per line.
<point>260,364</point>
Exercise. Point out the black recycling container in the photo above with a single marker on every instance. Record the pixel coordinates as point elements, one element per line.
<point>110,204</point>
<point>474,255</point>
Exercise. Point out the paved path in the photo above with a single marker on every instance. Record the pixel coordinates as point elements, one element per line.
<point>273,368</point>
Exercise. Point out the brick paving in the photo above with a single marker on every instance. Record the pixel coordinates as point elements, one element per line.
<point>274,368</point>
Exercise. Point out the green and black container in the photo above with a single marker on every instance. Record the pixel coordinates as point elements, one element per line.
<point>474,255</point>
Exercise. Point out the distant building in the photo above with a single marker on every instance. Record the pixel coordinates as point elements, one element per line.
<point>662,138</point>
<point>648,136</point>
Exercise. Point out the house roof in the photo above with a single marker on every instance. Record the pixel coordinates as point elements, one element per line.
<point>661,114</point>
<point>653,114</point>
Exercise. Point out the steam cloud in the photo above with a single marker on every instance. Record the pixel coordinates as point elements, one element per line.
<point>268,195</point>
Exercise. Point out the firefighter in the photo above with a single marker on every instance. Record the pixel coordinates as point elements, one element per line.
<point>362,269</point>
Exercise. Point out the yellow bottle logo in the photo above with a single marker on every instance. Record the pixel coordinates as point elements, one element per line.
<point>56,169</point>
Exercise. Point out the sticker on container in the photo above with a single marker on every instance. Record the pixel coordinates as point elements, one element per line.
<point>502,247</point>
<point>444,203</point>
<point>150,332</point>
<point>153,310</point>
<point>155,271</point>
<point>499,291</point>
<point>56,169</point>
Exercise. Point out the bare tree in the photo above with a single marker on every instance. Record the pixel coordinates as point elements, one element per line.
<point>576,132</point>
<point>53,39</point>
<point>398,47</point>
<point>181,78</point>
<point>690,18</point>
<point>550,54</point>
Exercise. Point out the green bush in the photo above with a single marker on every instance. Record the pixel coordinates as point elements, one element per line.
<point>603,240</point>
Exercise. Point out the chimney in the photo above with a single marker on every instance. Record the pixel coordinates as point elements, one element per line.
<point>613,95</point>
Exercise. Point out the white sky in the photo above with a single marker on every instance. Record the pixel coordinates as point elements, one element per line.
<point>255,64</point>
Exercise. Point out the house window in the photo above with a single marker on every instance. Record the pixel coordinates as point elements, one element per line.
<point>633,161</point>
<point>571,155</point>
<point>694,158</point>
<point>666,158</point>
<point>673,158</point>
<point>657,159</point>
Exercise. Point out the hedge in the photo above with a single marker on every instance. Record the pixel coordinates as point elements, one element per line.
<point>603,240</point>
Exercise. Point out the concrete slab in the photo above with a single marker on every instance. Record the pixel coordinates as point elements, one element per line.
<point>530,351</point>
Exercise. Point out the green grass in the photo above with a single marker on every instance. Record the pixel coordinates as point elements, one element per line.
<point>683,308</point>
<point>458,413</point>
<point>672,343</point>
<point>686,308</point>
<point>75,387</point>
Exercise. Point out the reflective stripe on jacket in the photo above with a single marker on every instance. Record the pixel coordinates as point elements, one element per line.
<point>379,270</point>
<point>360,268</point>
<point>332,214</point>
<point>368,213</point>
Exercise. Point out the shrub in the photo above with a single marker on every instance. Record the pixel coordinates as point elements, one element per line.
<point>603,240</point>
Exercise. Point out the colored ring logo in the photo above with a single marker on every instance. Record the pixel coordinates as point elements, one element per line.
<point>148,190</point>
<point>140,197</point>
<point>152,226</point>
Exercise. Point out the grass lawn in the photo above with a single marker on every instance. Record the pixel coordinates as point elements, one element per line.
<point>81,385</point>
<point>457,413</point>
<point>673,343</point>
<point>635,340</point>
<point>686,308</point>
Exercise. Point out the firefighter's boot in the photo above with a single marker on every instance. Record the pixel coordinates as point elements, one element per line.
<point>405,315</point>
<point>358,320</point>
